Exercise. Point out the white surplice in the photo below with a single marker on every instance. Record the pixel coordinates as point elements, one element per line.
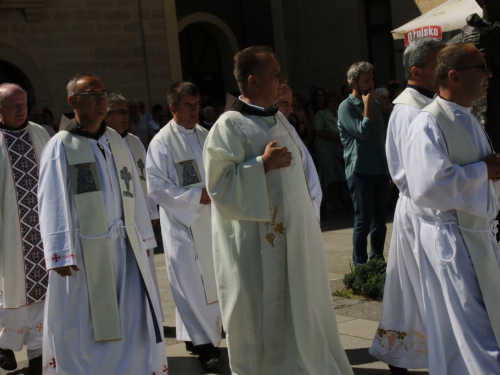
<point>238,187</point>
<point>68,344</point>
<point>460,338</point>
<point>21,308</point>
<point>403,308</point>
<point>152,207</point>
<point>179,209</point>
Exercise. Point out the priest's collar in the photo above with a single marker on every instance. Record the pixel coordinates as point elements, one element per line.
<point>125,133</point>
<point>5,127</point>
<point>184,130</point>
<point>236,104</point>
<point>427,93</point>
<point>74,127</point>
<point>457,107</point>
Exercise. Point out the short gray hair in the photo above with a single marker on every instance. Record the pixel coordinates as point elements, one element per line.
<point>71,88</point>
<point>417,53</point>
<point>3,86</point>
<point>114,98</point>
<point>357,69</point>
<point>380,92</point>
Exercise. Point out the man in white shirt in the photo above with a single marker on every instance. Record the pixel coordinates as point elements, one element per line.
<point>176,181</point>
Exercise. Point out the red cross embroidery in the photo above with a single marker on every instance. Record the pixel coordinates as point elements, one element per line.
<point>52,363</point>
<point>165,369</point>
<point>40,327</point>
<point>56,258</point>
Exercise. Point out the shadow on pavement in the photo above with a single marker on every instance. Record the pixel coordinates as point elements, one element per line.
<point>359,356</point>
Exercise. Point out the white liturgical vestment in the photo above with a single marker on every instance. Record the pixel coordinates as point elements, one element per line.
<point>23,274</point>
<point>460,337</point>
<point>403,308</point>
<point>69,346</point>
<point>197,319</point>
<point>269,253</point>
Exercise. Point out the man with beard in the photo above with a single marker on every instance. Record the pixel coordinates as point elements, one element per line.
<point>362,132</point>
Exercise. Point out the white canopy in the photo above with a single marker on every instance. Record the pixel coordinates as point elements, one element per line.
<point>449,16</point>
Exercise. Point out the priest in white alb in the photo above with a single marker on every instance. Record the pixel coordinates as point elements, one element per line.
<point>270,260</point>
<point>452,171</point>
<point>403,308</point>
<point>117,118</point>
<point>102,314</point>
<point>23,274</point>
<point>176,181</point>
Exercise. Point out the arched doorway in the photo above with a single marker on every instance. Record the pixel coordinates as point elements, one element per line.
<point>201,61</point>
<point>12,74</point>
<point>207,46</point>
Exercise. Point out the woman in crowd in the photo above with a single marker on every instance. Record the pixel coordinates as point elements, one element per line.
<point>329,152</point>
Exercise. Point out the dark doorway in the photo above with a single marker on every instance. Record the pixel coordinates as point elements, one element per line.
<point>380,41</point>
<point>201,61</point>
<point>12,74</point>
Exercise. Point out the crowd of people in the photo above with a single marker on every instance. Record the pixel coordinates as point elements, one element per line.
<point>239,195</point>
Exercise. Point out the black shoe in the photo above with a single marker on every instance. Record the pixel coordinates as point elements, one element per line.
<point>8,359</point>
<point>190,347</point>
<point>35,366</point>
<point>210,356</point>
<point>398,370</point>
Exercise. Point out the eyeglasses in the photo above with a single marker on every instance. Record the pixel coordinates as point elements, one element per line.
<point>94,95</point>
<point>120,112</point>
<point>483,67</point>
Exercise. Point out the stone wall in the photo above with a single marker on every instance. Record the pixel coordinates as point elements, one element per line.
<point>99,36</point>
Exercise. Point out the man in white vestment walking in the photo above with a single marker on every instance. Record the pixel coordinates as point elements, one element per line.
<point>269,254</point>
<point>102,314</point>
<point>117,118</point>
<point>176,181</point>
<point>23,274</point>
<point>451,171</point>
<point>403,307</point>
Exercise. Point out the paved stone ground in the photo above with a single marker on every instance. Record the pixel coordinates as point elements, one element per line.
<point>357,319</point>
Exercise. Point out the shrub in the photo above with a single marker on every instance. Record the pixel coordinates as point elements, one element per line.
<point>367,279</point>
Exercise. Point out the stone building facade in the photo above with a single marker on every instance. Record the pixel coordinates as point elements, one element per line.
<point>139,47</point>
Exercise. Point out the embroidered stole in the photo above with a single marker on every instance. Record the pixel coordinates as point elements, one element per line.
<point>138,153</point>
<point>94,231</point>
<point>189,175</point>
<point>272,239</point>
<point>476,231</point>
<point>24,276</point>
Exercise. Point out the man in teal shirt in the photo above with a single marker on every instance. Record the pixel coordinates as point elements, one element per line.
<point>362,132</point>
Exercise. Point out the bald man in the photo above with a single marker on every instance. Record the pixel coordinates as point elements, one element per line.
<point>452,173</point>
<point>22,266</point>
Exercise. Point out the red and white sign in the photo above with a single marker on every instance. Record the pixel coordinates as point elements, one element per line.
<point>423,32</point>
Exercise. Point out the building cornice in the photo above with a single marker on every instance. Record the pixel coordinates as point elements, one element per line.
<point>31,8</point>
